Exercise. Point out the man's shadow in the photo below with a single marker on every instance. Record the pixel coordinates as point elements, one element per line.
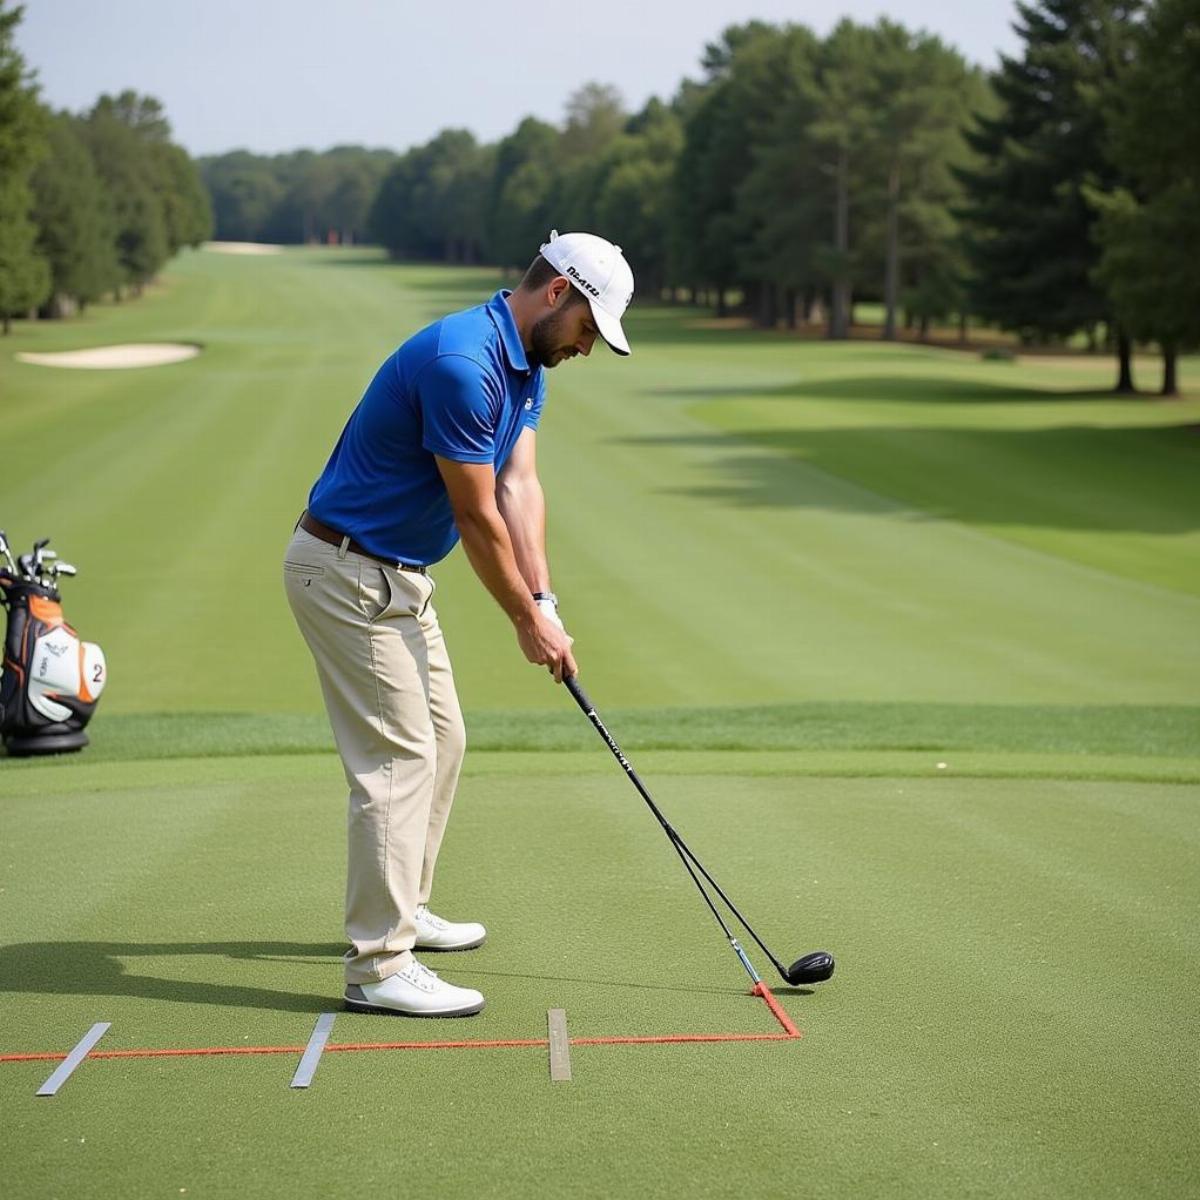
<point>98,969</point>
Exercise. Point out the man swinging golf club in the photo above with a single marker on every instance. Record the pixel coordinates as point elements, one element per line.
<point>442,446</point>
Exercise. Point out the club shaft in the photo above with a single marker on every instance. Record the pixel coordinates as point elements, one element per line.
<point>681,847</point>
<point>684,848</point>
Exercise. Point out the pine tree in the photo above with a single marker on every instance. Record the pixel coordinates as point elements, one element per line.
<point>1030,223</point>
<point>76,230</point>
<point>738,101</point>
<point>1149,234</point>
<point>156,208</point>
<point>24,273</point>
<point>921,90</point>
<point>781,200</point>
<point>842,132</point>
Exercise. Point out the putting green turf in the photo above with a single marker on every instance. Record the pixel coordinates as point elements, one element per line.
<point>801,577</point>
<point>1012,1011</point>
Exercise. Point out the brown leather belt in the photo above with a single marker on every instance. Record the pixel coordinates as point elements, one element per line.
<point>318,529</point>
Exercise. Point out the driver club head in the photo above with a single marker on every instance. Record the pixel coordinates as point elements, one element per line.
<point>812,968</point>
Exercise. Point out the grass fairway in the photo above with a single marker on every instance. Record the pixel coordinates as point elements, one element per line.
<point>1012,1013</point>
<point>904,641</point>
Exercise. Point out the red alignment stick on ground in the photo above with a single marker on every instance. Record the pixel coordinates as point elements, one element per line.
<point>759,989</point>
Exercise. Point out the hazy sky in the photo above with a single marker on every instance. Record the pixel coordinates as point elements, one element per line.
<point>275,75</point>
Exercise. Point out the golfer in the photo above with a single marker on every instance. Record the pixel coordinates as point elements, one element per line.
<point>442,446</point>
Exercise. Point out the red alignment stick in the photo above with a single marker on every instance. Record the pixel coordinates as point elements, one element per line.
<point>761,989</point>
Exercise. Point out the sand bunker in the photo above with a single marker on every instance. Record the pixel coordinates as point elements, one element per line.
<point>110,358</point>
<point>243,248</point>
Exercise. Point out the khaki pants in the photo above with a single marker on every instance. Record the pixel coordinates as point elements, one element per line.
<point>389,692</point>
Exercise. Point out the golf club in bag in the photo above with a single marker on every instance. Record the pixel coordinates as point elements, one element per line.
<point>811,968</point>
<point>51,680</point>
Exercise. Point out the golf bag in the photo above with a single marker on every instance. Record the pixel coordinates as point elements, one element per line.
<point>51,680</point>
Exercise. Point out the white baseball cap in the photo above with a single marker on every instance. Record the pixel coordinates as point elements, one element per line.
<point>599,270</point>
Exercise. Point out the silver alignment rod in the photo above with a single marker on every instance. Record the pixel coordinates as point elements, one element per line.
<point>67,1066</point>
<point>560,1046</point>
<point>313,1051</point>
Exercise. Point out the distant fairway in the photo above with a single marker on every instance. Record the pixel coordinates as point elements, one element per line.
<point>735,519</point>
<point>908,643</point>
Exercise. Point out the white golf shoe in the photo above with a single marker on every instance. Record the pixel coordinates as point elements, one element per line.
<point>416,991</point>
<point>436,933</point>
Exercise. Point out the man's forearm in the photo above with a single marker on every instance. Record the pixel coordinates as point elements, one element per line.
<point>523,507</point>
<point>489,548</point>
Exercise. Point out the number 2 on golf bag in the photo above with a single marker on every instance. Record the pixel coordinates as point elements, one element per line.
<point>811,968</point>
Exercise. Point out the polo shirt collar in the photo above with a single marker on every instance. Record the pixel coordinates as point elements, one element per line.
<point>510,337</point>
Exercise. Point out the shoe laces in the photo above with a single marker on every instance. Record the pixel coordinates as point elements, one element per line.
<point>419,975</point>
<point>423,914</point>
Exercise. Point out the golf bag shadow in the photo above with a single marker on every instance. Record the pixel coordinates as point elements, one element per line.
<point>51,680</point>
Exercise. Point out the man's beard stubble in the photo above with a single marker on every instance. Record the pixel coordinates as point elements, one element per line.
<point>547,348</point>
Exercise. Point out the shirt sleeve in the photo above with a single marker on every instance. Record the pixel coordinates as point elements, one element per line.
<point>534,413</point>
<point>459,404</point>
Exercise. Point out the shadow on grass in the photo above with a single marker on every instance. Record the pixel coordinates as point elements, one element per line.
<point>364,257</point>
<point>100,969</point>
<point>902,389</point>
<point>1130,480</point>
<point>593,981</point>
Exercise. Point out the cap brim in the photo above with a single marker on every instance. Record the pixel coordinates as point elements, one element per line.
<point>610,328</point>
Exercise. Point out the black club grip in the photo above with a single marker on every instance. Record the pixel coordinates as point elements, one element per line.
<point>576,690</point>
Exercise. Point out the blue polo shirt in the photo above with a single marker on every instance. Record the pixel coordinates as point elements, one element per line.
<point>463,389</point>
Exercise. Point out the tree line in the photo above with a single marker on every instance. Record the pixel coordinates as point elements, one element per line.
<point>1057,197</point>
<point>91,204</point>
<point>297,198</point>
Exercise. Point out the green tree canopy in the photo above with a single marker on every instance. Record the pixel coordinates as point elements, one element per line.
<point>24,272</point>
<point>522,192</point>
<point>76,226</point>
<point>120,133</point>
<point>433,202</point>
<point>1030,224</point>
<point>1149,232</point>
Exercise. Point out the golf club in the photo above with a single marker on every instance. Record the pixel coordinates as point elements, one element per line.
<point>811,968</point>
<point>38,548</point>
<point>6,550</point>
<point>45,564</point>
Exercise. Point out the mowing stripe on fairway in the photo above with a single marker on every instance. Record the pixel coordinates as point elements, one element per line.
<point>72,1060</point>
<point>312,1052</point>
<point>560,1045</point>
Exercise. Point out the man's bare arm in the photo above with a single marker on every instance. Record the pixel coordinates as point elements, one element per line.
<point>522,504</point>
<point>488,545</point>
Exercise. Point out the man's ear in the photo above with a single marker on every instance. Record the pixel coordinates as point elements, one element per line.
<point>559,287</point>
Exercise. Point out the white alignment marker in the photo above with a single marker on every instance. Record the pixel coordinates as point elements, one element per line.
<point>312,1052</point>
<point>560,1046</point>
<point>63,1073</point>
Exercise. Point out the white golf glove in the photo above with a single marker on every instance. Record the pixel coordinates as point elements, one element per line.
<point>547,602</point>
